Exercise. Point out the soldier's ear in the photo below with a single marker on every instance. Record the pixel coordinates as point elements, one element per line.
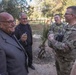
<point>73,15</point>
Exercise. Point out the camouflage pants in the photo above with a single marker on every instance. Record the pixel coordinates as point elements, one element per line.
<point>63,68</point>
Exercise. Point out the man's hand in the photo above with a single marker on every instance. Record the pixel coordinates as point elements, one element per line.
<point>51,37</point>
<point>24,37</point>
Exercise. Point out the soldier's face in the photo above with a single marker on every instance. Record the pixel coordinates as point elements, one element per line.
<point>68,15</point>
<point>57,19</point>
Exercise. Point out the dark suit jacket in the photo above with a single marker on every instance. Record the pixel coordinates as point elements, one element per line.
<point>21,29</point>
<point>12,56</point>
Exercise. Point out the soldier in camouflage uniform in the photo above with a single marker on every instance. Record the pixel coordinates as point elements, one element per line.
<point>66,49</point>
<point>58,29</point>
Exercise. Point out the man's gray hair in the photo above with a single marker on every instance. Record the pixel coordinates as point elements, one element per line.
<point>20,15</point>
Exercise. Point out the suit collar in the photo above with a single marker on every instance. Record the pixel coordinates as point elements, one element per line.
<point>8,39</point>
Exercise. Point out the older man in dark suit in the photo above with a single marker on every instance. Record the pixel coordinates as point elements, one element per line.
<point>24,28</point>
<point>13,58</point>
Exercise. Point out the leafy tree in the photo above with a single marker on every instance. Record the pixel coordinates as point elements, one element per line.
<point>14,6</point>
<point>12,9</point>
<point>44,39</point>
<point>52,7</point>
<point>30,11</point>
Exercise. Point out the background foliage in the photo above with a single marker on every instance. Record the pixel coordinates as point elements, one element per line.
<point>41,9</point>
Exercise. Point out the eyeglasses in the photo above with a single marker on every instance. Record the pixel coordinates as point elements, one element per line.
<point>68,13</point>
<point>8,21</point>
<point>24,18</point>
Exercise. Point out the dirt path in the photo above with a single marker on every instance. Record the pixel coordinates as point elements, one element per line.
<point>45,69</point>
<point>44,66</point>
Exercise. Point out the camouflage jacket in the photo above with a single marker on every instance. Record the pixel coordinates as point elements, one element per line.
<point>57,29</point>
<point>67,48</point>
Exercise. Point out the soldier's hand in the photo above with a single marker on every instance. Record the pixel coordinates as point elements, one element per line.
<point>51,37</point>
<point>24,37</point>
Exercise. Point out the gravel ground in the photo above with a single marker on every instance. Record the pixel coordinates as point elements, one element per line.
<point>44,66</point>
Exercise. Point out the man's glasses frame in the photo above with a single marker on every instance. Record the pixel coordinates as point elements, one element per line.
<point>24,18</point>
<point>68,14</point>
<point>12,21</point>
